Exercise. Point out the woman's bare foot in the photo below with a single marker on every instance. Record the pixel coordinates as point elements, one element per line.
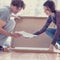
<point>51,48</point>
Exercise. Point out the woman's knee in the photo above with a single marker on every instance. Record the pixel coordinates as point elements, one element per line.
<point>50,32</point>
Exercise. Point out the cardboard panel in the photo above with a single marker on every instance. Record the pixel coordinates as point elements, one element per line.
<point>31,25</point>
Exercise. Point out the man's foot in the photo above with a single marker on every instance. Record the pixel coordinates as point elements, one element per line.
<point>1,48</point>
<point>6,49</point>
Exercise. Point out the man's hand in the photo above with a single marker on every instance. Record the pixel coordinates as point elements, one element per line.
<point>15,35</point>
<point>17,18</point>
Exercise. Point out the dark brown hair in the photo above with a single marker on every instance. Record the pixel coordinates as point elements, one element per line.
<point>50,5</point>
<point>18,3</point>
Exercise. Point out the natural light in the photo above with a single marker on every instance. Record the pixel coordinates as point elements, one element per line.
<point>33,7</point>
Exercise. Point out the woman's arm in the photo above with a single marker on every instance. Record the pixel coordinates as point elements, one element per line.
<point>44,27</point>
<point>58,29</point>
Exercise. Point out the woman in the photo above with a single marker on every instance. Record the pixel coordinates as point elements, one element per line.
<point>49,9</point>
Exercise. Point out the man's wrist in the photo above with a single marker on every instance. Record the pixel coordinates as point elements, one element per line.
<point>9,34</point>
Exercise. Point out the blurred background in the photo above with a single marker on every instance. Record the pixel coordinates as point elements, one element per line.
<point>33,7</point>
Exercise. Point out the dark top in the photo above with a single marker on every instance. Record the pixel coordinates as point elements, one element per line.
<point>55,20</point>
<point>49,20</point>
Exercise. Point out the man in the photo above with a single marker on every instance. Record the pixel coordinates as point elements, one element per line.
<point>7,25</point>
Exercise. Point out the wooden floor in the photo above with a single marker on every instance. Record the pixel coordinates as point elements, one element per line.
<point>28,56</point>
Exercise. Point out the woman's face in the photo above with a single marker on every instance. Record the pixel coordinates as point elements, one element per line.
<point>47,10</point>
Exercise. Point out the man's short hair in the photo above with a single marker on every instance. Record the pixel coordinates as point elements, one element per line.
<point>18,3</point>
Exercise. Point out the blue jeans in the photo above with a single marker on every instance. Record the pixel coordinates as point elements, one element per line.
<point>51,32</point>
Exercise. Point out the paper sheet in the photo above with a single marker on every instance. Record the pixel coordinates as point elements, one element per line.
<point>26,34</point>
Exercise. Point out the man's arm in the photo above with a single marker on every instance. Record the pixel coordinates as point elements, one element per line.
<point>44,27</point>
<point>3,21</point>
<point>6,33</point>
<point>2,31</point>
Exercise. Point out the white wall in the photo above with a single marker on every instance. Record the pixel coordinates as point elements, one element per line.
<point>58,5</point>
<point>4,2</point>
<point>33,7</point>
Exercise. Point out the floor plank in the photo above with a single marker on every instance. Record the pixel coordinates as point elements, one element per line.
<point>28,56</point>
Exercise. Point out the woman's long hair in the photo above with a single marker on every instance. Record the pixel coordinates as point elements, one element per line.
<point>50,5</point>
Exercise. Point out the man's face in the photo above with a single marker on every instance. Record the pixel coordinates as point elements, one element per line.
<point>47,10</point>
<point>16,10</point>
